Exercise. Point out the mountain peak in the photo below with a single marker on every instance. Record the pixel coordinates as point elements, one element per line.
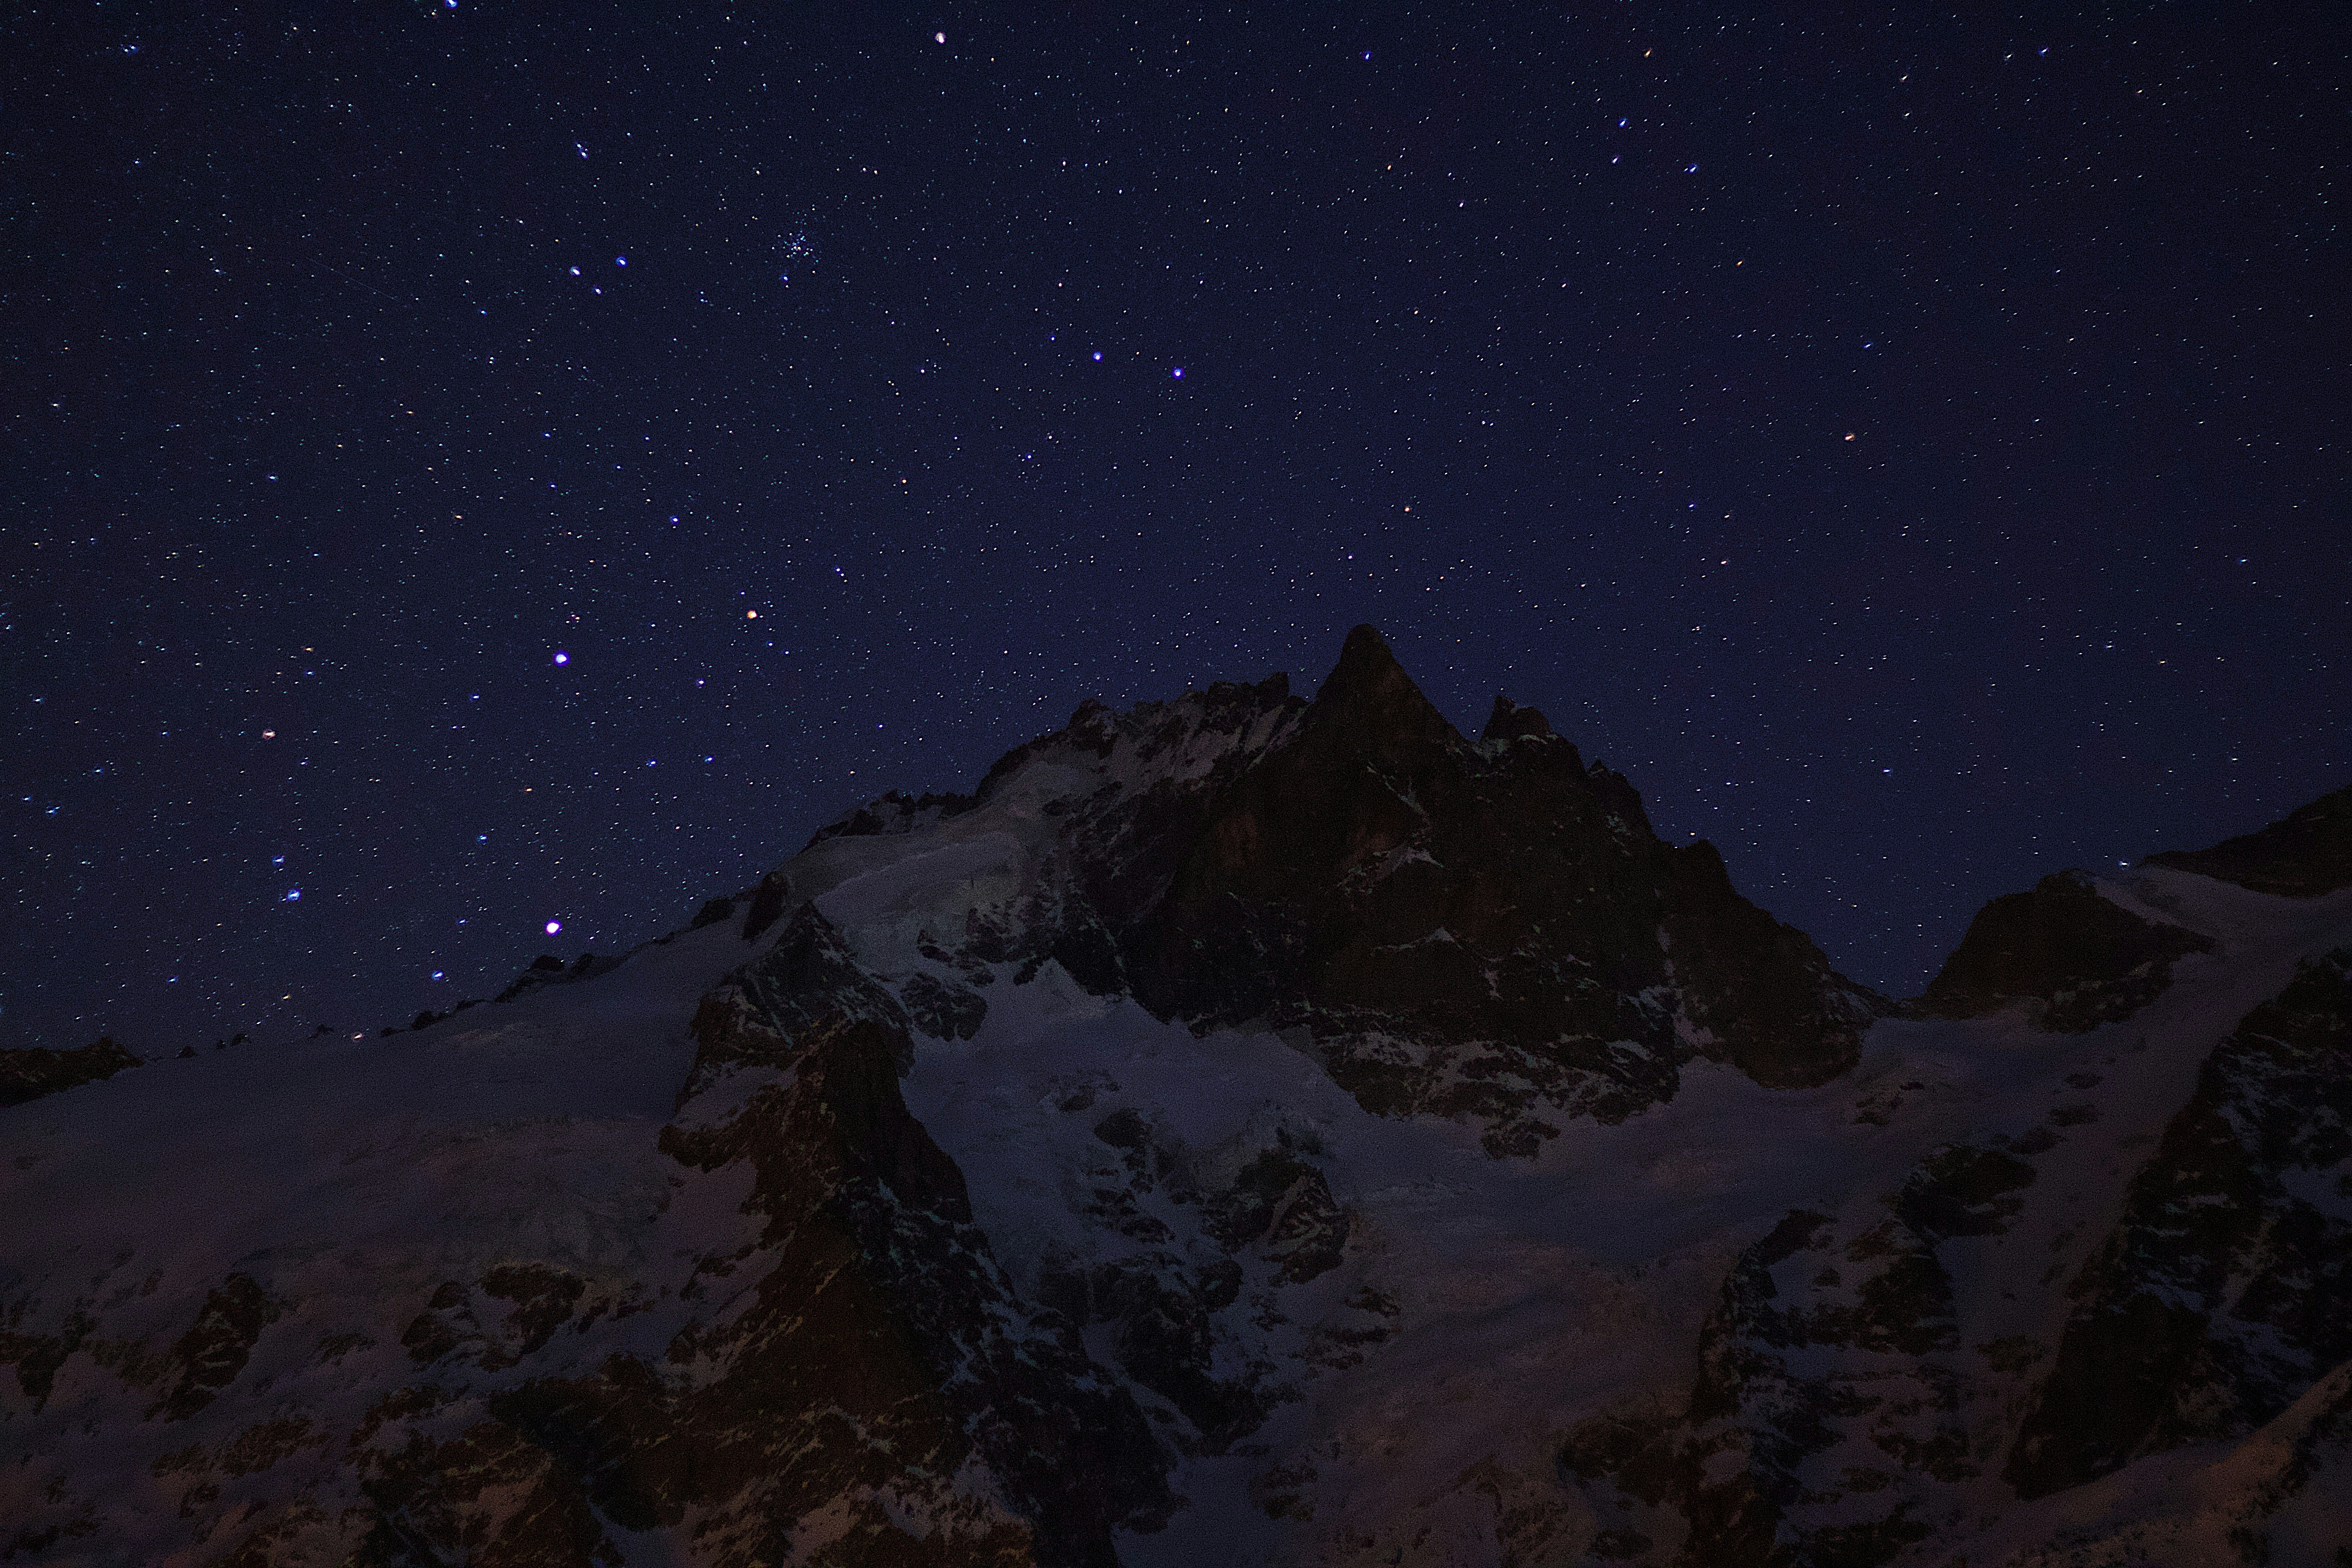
<point>1369,696</point>
<point>1077,1170</point>
<point>1510,721</point>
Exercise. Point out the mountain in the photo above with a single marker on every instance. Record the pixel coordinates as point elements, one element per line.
<point>1243,1130</point>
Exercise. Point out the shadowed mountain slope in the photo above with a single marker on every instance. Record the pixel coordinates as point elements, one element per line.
<point>2304,854</point>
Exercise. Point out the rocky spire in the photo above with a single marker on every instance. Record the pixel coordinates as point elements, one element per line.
<point>1509,721</point>
<point>1369,699</point>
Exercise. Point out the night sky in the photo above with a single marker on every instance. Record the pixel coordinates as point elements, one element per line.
<point>473,467</point>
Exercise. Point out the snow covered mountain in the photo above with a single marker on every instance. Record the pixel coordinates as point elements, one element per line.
<point>1245,1130</point>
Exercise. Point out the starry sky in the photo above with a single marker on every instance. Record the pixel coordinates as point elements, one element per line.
<point>470,467</point>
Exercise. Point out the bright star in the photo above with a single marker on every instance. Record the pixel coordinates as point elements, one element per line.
<point>1098,356</point>
<point>554,926</point>
<point>562,657</point>
<point>293,894</point>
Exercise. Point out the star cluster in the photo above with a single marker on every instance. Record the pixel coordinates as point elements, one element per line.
<point>489,478</point>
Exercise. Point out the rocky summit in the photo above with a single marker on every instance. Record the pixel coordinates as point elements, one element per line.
<point>1243,1129</point>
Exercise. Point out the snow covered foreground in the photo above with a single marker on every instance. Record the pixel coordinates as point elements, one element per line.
<point>875,1222</point>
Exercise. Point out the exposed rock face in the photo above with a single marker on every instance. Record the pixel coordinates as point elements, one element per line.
<point>2304,854</point>
<point>1487,930</point>
<point>880,1366</point>
<point>26,1075</point>
<point>2226,1292</point>
<point>2084,959</point>
<point>1831,1354</point>
<point>1843,1406</point>
<point>209,1357</point>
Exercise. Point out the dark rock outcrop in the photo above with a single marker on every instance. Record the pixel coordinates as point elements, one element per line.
<point>2224,1292</point>
<point>874,1383</point>
<point>209,1357</point>
<point>2304,854</point>
<point>805,976</point>
<point>28,1075</point>
<point>896,812</point>
<point>944,1012</point>
<point>2086,960</point>
<point>549,970</point>
<point>767,904</point>
<point>1830,1368</point>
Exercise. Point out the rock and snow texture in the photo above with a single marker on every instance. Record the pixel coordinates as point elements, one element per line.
<point>1244,1131</point>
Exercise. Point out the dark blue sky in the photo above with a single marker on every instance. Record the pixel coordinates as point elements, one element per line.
<point>1910,448</point>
